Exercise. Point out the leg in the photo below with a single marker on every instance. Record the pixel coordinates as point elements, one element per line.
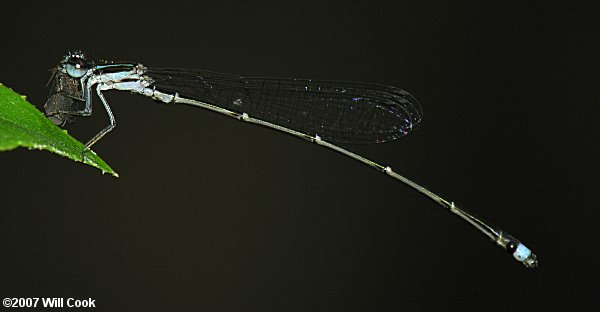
<point>63,107</point>
<point>86,87</point>
<point>111,117</point>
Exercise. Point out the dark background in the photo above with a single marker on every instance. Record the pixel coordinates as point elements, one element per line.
<point>214,214</point>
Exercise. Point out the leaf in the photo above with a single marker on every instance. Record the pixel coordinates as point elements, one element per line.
<point>22,125</point>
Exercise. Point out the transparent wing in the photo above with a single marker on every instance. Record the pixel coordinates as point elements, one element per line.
<point>343,112</point>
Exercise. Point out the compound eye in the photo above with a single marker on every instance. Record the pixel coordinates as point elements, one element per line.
<point>76,67</point>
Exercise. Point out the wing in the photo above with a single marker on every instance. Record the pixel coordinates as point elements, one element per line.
<point>343,112</point>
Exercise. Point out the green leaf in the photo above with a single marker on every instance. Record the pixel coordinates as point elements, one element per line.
<point>21,124</point>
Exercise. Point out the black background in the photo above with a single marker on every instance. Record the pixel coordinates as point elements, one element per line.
<point>213,214</point>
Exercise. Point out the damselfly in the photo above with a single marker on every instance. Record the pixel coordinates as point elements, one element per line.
<point>322,112</point>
